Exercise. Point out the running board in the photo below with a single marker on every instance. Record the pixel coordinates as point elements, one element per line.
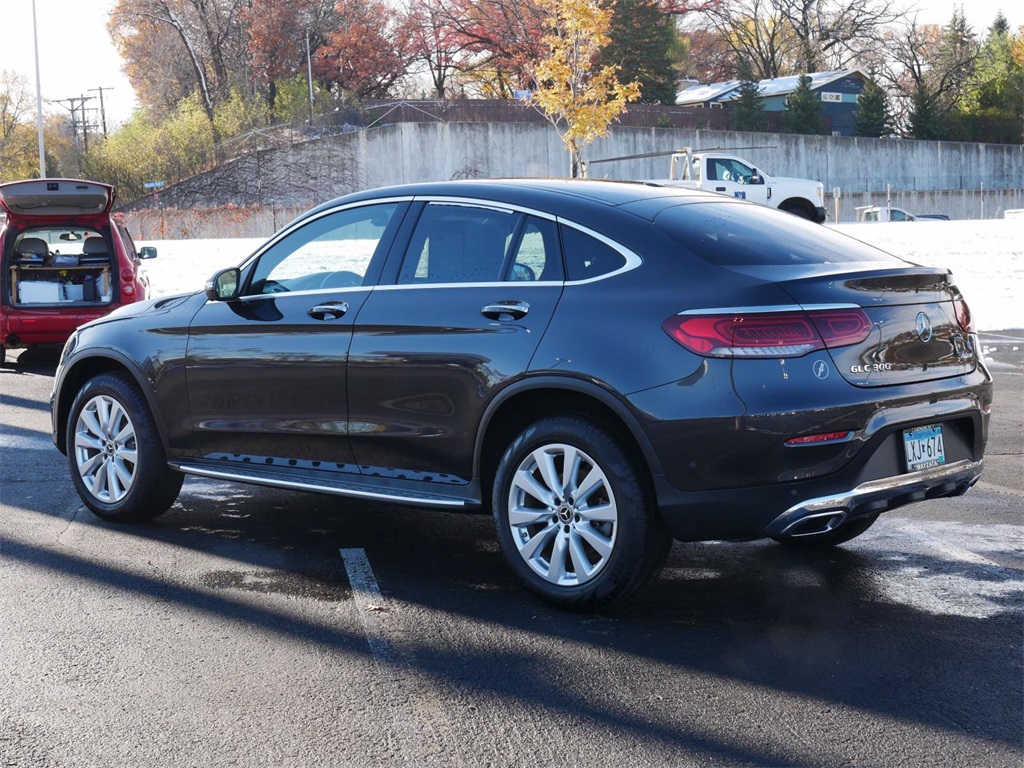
<point>392,492</point>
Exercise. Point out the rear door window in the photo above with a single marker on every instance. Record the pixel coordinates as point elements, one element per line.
<point>536,256</point>
<point>459,243</point>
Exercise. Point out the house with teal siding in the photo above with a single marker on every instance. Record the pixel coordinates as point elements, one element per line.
<point>839,90</point>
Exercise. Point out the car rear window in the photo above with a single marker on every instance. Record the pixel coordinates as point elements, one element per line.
<point>748,235</point>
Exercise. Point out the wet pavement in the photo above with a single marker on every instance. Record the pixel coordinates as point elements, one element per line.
<point>235,630</point>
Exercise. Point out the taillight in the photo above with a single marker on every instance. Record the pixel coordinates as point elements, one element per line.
<point>768,334</point>
<point>127,282</point>
<point>841,327</point>
<point>963,315</point>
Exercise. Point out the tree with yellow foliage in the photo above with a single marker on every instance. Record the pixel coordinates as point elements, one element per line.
<point>579,98</point>
<point>18,158</point>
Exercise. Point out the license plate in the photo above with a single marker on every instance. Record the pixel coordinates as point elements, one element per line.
<point>924,447</point>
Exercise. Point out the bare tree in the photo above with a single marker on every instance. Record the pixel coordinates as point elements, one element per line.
<point>831,34</point>
<point>927,65</point>
<point>786,37</point>
<point>208,33</point>
<point>754,31</point>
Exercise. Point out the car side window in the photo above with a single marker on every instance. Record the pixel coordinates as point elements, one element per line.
<point>587,257</point>
<point>537,256</point>
<point>333,251</point>
<point>740,172</point>
<point>133,254</point>
<point>458,243</point>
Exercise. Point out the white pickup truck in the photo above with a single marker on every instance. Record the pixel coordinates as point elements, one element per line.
<point>888,213</point>
<point>730,175</point>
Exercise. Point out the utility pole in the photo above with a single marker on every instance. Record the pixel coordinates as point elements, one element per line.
<point>39,96</point>
<point>309,77</point>
<point>103,112</point>
<point>76,104</point>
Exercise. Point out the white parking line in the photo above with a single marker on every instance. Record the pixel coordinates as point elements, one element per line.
<point>369,603</point>
<point>421,733</point>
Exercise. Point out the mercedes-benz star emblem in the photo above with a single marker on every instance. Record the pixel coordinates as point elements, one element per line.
<point>924,327</point>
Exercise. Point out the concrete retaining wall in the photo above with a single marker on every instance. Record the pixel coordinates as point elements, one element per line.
<point>315,171</point>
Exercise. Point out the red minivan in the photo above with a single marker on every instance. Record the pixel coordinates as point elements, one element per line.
<point>65,261</point>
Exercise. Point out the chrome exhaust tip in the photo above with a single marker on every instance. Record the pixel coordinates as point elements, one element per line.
<point>815,525</point>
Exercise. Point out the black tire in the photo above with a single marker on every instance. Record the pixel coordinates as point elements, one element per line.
<point>117,461</point>
<point>840,535</point>
<point>797,210</point>
<point>574,532</point>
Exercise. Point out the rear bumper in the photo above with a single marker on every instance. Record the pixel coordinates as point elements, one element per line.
<point>751,513</point>
<point>826,512</point>
<point>25,327</point>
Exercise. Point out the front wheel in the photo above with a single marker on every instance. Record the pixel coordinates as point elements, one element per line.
<point>117,462</point>
<point>572,516</point>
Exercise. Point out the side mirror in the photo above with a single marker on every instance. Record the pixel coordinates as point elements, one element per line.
<point>223,286</point>
<point>756,178</point>
<point>147,252</point>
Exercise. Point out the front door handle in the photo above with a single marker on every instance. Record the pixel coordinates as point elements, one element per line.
<point>332,310</point>
<point>505,309</point>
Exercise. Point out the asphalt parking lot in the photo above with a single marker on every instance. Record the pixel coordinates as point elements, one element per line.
<point>250,626</point>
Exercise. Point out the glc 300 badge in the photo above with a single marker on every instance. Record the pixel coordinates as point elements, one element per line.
<point>873,368</point>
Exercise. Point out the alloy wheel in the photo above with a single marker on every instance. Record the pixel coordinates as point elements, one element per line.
<point>106,451</point>
<point>562,514</point>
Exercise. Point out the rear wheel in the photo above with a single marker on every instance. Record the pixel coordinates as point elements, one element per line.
<point>572,515</point>
<point>840,535</point>
<point>117,462</point>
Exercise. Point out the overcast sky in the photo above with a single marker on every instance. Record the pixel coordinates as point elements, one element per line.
<point>77,56</point>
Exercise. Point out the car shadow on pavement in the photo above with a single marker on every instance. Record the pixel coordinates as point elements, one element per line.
<point>815,626</point>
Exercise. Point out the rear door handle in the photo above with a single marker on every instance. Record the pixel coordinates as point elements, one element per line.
<point>332,310</point>
<point>719,189</point>
<point>514,309</point>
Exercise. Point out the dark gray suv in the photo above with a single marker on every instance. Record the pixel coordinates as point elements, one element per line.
<point>606,366</point>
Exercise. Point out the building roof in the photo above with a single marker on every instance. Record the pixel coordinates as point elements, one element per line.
<point>699,94</point>
<point>778,86</point>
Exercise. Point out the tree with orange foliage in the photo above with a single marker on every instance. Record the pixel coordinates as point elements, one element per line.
<point>278,35</point>
<point>500,39</point>
<point>369,52</point>
<point>436,44</point>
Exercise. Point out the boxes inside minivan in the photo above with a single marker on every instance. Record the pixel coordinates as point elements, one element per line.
<point>60,266</point>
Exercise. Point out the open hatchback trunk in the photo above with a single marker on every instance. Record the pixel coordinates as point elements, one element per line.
<point>58,247</point>
<point>26,201</point>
